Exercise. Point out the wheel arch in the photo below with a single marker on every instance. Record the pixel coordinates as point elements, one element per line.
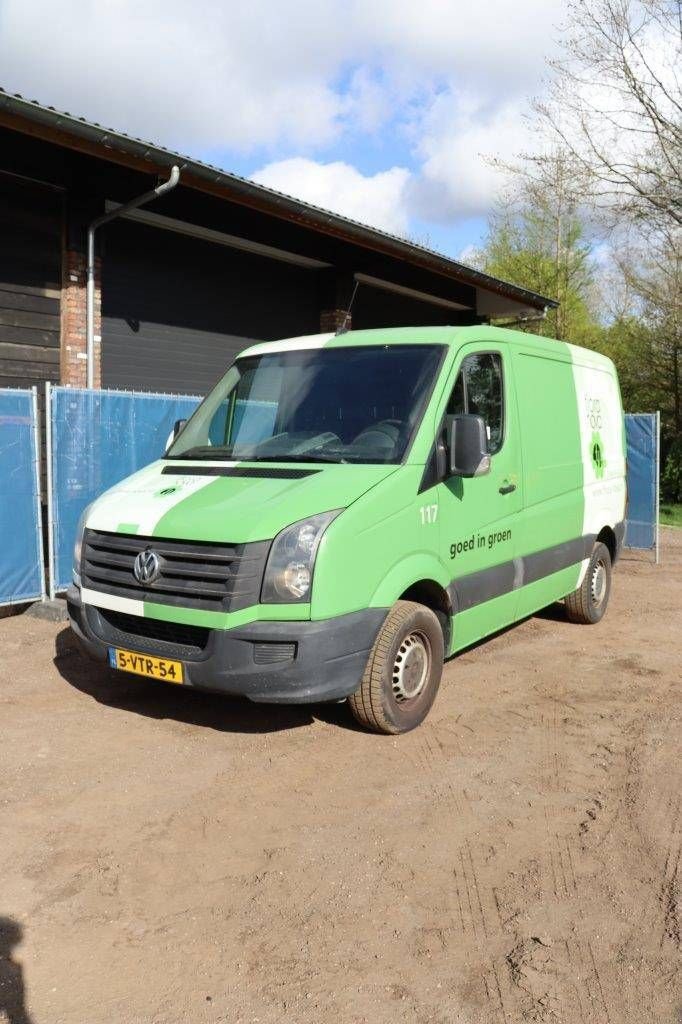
<point>607,536</point>
<point>431,594</point>
<point>420,574</point>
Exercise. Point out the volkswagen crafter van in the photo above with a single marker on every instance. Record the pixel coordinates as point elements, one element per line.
<point>343,512</point>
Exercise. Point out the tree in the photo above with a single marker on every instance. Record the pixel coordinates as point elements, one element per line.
<point>657,279</point>
<point>646,345</point>
<point>609,160</point>
<point>615,104</point>
<point>536,238</point>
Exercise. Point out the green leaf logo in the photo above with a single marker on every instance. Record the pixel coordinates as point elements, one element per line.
<point>597,455</point>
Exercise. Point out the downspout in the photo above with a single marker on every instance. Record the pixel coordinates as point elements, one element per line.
<point>154,193</point>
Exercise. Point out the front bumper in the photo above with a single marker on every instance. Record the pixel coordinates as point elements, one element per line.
<point>326,658</point>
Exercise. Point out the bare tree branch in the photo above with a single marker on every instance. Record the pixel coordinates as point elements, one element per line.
<point>615,104</point>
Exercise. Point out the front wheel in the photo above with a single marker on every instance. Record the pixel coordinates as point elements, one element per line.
<point>588,603</point>
<point>403,671</point>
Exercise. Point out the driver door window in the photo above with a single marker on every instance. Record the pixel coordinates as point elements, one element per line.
<point>478,390</point>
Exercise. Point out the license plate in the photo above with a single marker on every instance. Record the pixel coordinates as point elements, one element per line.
<point>145,665</point>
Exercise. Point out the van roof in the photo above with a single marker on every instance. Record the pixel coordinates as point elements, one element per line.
<point>429,336</point>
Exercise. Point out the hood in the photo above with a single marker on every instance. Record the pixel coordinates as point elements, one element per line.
<point>228,502</point>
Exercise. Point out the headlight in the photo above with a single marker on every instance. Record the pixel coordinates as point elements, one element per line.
<point>78,544</point>
<point>289,570</point>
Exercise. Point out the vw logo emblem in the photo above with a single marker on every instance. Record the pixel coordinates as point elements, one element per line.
<point>146,566</point>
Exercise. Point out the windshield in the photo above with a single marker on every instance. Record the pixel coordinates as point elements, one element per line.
<point>315,405</point>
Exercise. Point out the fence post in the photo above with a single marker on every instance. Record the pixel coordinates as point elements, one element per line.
<point>658,485</point>
<point>48,481</point>
<point>39,514</point>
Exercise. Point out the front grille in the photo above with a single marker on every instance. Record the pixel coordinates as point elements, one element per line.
<point>150,636</point>
<point>216,577</point>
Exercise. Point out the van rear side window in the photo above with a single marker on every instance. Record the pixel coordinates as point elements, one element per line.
<point>478,390</point>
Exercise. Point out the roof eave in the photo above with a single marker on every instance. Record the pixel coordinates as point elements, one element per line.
<point>196,174</point>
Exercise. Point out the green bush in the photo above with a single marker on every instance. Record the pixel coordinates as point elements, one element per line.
<point>671,479</point>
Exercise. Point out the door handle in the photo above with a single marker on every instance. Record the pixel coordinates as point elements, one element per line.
<point>507,488</point>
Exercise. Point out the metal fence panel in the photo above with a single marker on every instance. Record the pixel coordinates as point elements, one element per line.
<point>641,432</point>
<point>22,576</point>
<point>97,438</point>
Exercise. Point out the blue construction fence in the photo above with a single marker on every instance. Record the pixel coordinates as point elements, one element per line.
<point>100,437</point>
<point>96,439</point>
<point>22,576</point>
<point>642,439</point>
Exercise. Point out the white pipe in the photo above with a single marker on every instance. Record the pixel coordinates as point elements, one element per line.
<point>120,211</point>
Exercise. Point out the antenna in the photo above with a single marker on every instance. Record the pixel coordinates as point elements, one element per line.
<point>343,328</point>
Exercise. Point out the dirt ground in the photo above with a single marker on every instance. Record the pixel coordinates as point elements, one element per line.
<point>168,856</point>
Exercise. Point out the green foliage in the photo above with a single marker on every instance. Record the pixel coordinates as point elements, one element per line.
<point>647,348</point>
<point>671,479</point>
<point>516,251</point>
<point>671,515</point>
<point>630,343</point>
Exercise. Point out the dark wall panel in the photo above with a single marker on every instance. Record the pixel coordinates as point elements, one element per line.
<point>31,223</point>
<point>30,255</point>
<point>176,310</point>
<point>375,307</point>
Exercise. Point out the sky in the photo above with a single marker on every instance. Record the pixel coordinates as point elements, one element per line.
<point>382,110</point>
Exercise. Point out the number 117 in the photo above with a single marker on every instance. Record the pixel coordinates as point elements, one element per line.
<point>429,514</point>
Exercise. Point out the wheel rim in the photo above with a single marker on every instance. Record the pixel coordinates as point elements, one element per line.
<point>411,667</point>
<point>598,583</point>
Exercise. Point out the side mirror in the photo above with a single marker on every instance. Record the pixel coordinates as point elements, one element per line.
<point>468,447</point>
<point>177,427</point>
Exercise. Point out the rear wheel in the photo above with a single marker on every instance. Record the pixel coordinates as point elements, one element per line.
<point>588,603</point>
<point>403,671</point>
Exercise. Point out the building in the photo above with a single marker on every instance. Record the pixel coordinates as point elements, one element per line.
<point>184,283</point>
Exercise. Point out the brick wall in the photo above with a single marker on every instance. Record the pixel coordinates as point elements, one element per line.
<point>332,319</point>
<point>73,363</point>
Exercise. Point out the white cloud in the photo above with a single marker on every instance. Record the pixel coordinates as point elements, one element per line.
<point>470,255</point>
<point>457,139</point>
<point>490,45</point>
<point>190,75</point>
<point>377,199</point>
<point>311,78</point>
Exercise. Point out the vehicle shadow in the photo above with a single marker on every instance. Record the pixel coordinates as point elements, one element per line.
<point>12,991</point>
<point>183,704</point>
<point>552,613</point>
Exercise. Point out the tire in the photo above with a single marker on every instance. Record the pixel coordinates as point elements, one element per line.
<point>588,603</point>
<point>403,671</point>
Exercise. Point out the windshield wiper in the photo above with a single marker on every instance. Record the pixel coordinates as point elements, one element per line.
<point>208,451</point>
<point>337,459</point>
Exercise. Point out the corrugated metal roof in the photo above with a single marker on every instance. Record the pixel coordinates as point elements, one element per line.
<point>279,202</point>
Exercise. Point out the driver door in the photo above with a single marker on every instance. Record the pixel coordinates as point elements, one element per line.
<point>478,515</point>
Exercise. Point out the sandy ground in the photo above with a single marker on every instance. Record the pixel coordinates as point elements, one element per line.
<point>177,857</point>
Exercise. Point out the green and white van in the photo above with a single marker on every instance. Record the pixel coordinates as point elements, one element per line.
<point>343,512</point>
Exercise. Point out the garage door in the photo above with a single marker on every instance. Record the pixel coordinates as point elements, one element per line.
<point>176,310</point>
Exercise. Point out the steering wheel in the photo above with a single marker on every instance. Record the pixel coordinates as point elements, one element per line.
<point>383,435</point>
<point>320,440</point>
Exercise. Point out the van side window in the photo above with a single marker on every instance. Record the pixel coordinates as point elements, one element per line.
<point>478,391</point>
